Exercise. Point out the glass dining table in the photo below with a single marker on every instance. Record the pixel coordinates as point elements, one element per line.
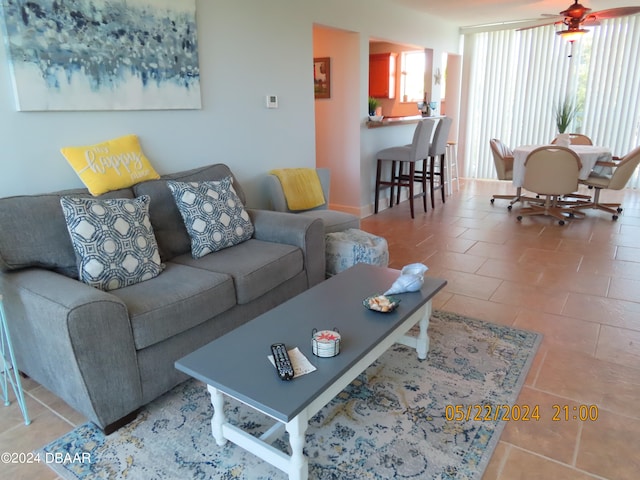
<point>589,155</point>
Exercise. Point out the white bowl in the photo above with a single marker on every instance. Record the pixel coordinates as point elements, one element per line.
<point>376,118</point>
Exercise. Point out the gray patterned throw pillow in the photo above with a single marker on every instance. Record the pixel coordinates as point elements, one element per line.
<point>213,214</point>
<point>113,240</point>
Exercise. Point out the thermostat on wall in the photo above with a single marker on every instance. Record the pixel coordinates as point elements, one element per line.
<point>272,101</point>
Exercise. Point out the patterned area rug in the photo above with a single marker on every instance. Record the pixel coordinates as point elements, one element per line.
<point>393,421</point>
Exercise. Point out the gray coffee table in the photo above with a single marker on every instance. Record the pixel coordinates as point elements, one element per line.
<point>236,364</point>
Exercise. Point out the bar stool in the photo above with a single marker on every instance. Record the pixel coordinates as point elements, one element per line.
<point>437,153</point>
<point>451,170</point>
<point>417,151</point>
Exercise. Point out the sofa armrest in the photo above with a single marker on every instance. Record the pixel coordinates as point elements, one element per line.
<point>298,230</point>
<point>74,340</point>
<point>279,201</point>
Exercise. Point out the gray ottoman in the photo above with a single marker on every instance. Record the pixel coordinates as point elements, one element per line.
<point>345,249</point>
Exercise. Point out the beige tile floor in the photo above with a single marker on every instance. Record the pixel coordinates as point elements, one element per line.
<point>577,284</point>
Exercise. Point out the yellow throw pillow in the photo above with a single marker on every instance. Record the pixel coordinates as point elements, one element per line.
<point>111,165</point>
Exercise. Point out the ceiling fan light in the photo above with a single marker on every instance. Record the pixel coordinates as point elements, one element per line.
<point>572,34</point>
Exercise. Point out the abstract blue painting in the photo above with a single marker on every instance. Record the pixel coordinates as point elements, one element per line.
<point>103,54</point>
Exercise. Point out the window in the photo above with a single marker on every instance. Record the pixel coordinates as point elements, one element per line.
<point>412,76</point>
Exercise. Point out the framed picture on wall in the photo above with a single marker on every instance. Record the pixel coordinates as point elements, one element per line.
<point>113,56</point>
<point>322,77</point>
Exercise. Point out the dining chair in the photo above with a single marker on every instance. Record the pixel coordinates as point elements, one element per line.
<point>576,139</point>
<point>416,151</point>
<point>333,220</point>
<point>617,180</point>
<point>551,171</point>
<point>503,161</point>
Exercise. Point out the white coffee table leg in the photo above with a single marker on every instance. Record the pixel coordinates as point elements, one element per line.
<point>422,344</point>
<point>298,466</point>
<point>217,400</point>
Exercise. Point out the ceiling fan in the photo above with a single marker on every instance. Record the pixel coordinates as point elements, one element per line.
<point>577,16</point>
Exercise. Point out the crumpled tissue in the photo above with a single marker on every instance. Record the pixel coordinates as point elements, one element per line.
<point>410,280</point>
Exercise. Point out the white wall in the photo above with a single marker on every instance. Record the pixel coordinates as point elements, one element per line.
<point>248,49</point>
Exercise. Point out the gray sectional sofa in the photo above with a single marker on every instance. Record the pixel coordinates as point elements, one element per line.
<point>107,353</point>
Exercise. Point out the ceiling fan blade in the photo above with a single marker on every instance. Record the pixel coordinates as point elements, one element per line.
<point>616,12</point>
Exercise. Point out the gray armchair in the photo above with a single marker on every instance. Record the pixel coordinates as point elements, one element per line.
<point>333,220</point>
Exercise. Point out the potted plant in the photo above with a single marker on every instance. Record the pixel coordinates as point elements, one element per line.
<point>373,104</point>
<point>565,111</point>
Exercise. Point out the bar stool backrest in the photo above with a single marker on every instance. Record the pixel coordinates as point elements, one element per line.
<point>440,137</point>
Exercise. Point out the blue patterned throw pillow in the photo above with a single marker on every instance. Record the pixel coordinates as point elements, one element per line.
<point>113,240</point>
<point>213,214</point>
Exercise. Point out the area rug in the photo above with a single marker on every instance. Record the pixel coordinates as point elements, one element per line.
<point>396,420</point>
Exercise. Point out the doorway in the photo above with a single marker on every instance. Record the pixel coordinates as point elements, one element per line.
<point>337,119</point>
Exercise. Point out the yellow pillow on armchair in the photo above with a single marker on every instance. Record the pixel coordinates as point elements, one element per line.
<point>111,165</point>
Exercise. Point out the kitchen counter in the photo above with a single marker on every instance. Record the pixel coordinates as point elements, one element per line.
<point>393,121</point>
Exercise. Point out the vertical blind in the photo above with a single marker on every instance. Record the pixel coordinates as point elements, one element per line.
<point>517,78</point>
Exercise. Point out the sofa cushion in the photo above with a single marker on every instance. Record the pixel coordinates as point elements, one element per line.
<point>179,299</point>
<point>113,240</point>
<point>255,265</point>
<point>110,165</point>
<point>33,231</point>
<point>167,222</point>
<point>213,214</point>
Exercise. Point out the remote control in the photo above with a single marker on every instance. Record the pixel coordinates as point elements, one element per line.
<point>283,362</point>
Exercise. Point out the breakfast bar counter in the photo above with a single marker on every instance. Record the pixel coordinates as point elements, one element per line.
<point>393,121</point>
